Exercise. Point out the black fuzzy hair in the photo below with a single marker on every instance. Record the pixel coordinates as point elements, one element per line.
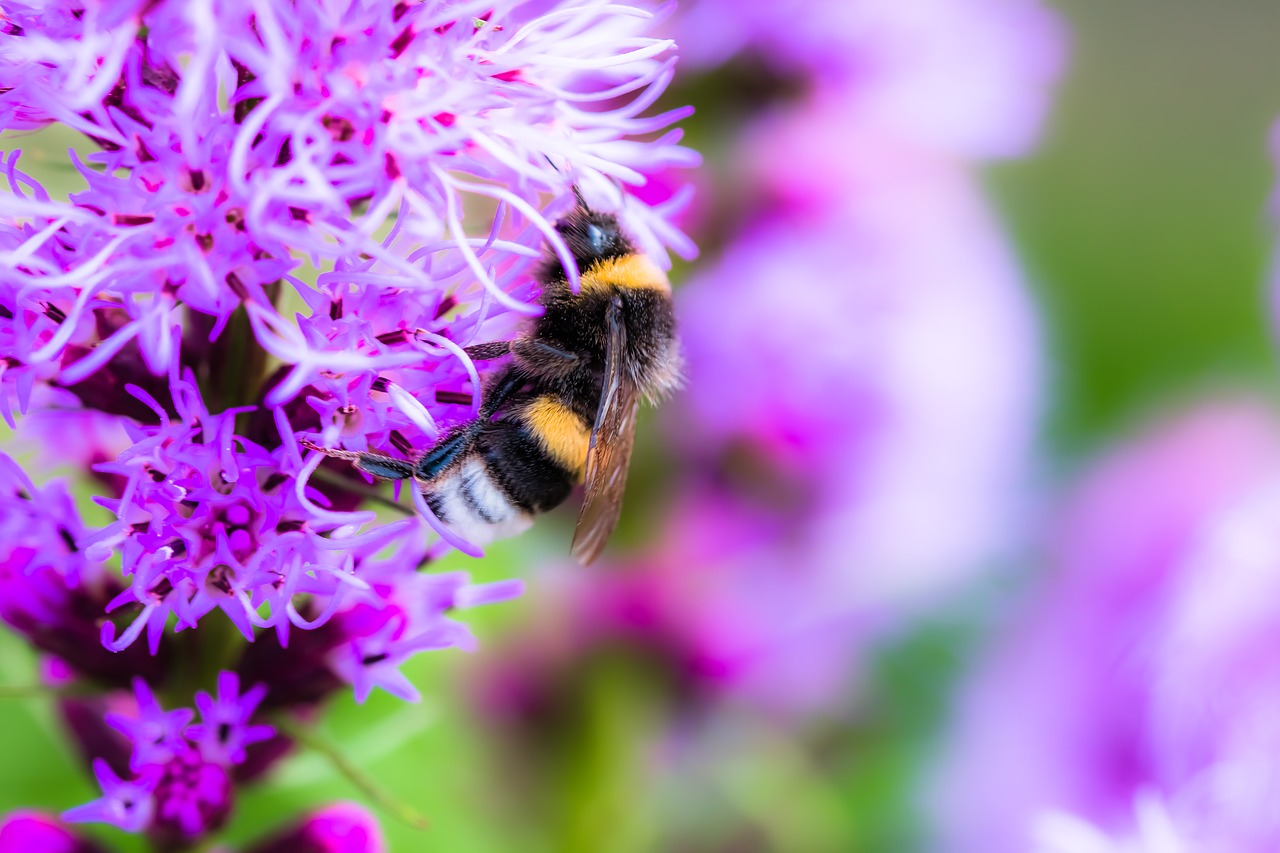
<point>592,237</point>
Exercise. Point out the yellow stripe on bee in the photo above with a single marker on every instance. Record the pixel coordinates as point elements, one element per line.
<point>634,271</point>
<point>561,432</point>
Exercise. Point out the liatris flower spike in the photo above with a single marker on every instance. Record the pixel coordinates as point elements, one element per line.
<point>294,218</point>
<point>1132,706</point>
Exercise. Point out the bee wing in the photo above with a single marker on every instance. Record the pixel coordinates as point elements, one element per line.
<point>609,453</point>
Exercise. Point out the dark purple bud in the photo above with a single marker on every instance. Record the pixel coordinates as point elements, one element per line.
<point>104,389</point>
<point>299,675</point>
<point>261,757</point>
<point>338,828</point>
<point>193,798</point>
<point>92,738</point>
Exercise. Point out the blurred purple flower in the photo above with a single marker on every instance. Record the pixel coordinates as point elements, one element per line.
<point>336,828</point>
<point>32,832</point>
<point>339,828</point>
<point>849,476</point>
<point>855,441</point>
<point>969,77</point>
<point>863,363</point>
<point>1153,831</point>
<point>931,401</point>
<point>1138,692</point>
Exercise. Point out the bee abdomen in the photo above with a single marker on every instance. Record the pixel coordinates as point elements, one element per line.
<point>495,492</point>
<point>561,433</point>
<point>473,504</point>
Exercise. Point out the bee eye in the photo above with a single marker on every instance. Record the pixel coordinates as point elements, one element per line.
<point>598,238</point>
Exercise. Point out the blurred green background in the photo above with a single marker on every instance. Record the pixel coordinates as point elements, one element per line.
<point>1142,223</point>
<point>1143,217</point>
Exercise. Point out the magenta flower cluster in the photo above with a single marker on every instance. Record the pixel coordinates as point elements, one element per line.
<point>179,782</point>
<point>295,216</point>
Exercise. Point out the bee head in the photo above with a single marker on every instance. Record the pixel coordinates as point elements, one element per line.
<point>593,236</point>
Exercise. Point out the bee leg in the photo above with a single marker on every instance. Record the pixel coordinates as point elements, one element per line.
<point>489,351</point>
<point>384,466</point>
<point>459,442</point>
<point>376,464</point>
<point>453,447</point>
<point>508,382</point>
<point>544,359</point>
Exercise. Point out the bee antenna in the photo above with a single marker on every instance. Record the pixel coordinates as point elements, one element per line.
<point>577,193</point>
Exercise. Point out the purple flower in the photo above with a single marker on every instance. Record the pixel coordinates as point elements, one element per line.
<point>850,479</point>
<point>60,62</point>
<point>1141,671</point>
<point>50,592</point>
<point>338,828</point>
<point>297,217</point>
<point>1153,831</point>
<point>970,77</point>
<point>338,121</point>
<point>400,617</point>
<point>184,798</point>
<point>224,729</point>
<point>128,804</point>
<point>372,634</point>
<point>182,773</point>
<point>41,563</point>
<point>125,298</point>
<point>32,832</point>
<point>209,520</point>
<point>156,735</point>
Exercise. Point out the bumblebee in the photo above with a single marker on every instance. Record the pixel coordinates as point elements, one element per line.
<point>562,410</point>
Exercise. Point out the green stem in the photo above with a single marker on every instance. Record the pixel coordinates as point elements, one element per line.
<point>779,770</point>
<point>219,648</point>
<point>25,691</point>
<point>313,739</point>
<point>43,691</point>
<point>214,646</point>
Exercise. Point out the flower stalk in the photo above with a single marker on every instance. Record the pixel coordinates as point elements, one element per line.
<point>312,739</point>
